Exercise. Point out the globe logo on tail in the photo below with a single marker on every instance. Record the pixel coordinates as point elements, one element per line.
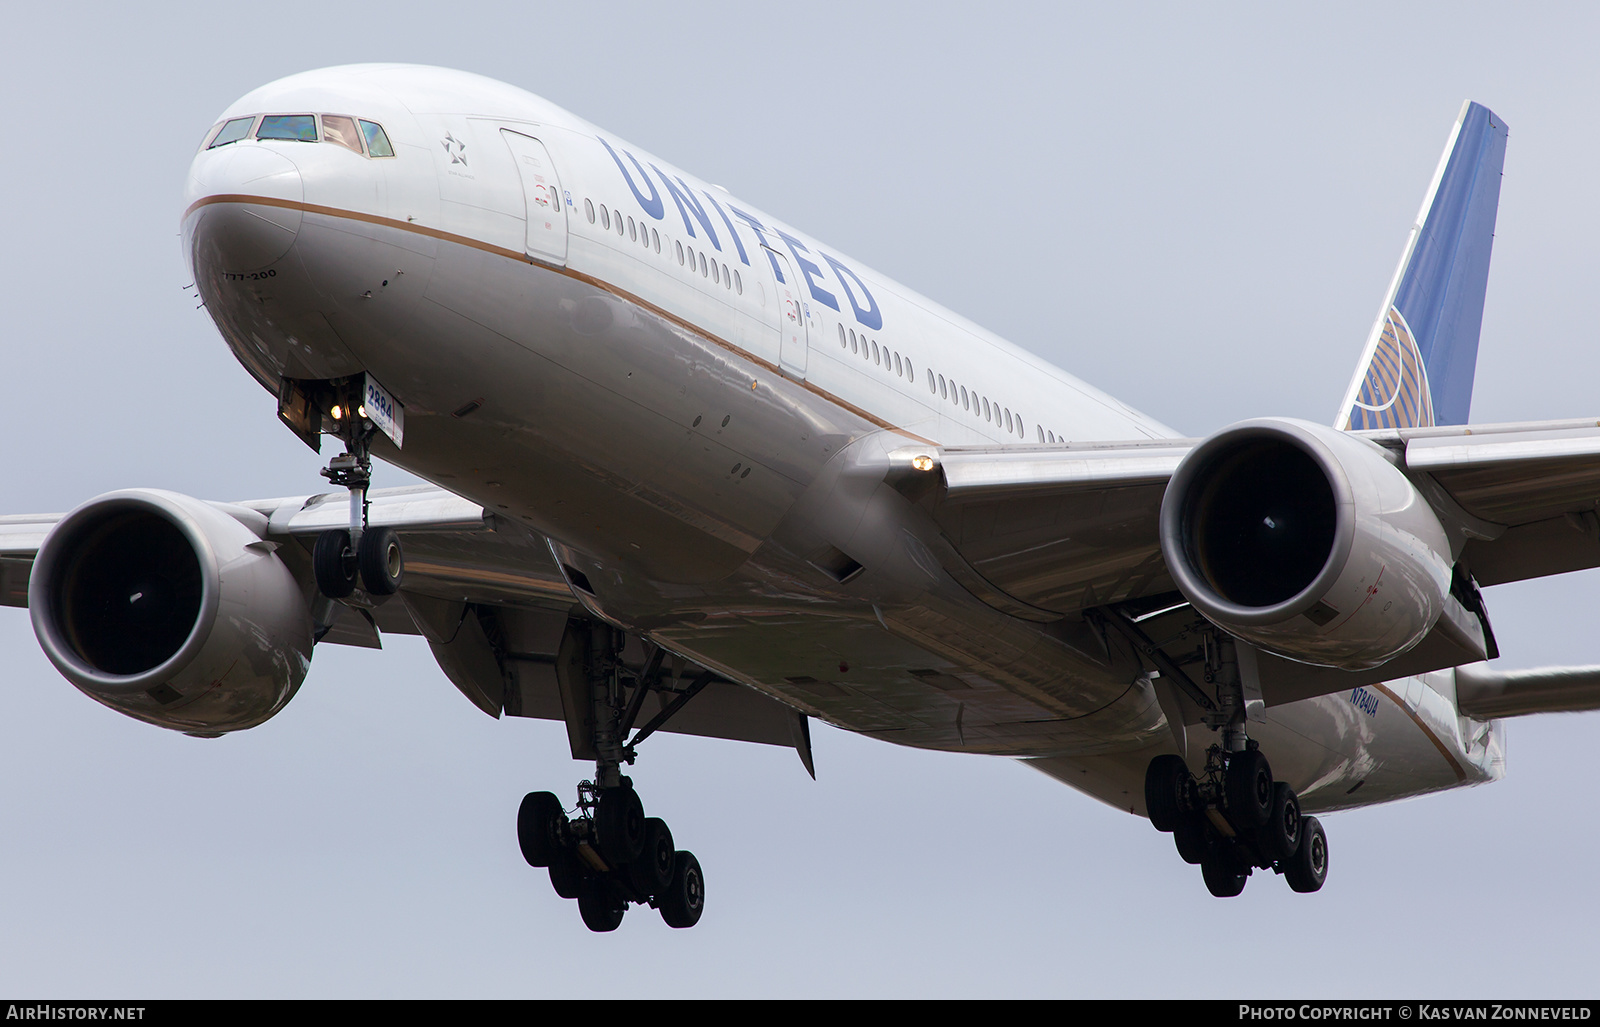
<point>1394,393</point>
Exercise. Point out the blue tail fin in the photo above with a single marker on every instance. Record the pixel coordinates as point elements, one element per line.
<point>1420,357</point>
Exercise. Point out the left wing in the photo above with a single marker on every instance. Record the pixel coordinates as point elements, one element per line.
<point>493,605</point>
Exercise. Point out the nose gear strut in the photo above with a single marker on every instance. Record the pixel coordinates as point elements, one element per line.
<point>358,554</point>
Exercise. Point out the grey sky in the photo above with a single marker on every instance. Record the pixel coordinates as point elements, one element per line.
<point>1193,207</point>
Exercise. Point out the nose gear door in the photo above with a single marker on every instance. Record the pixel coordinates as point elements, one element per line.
<point>547,216</point>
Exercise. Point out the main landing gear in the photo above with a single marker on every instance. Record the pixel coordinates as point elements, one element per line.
<point>609,855</point>
<point>606,853</point>
<point>1234,819</point>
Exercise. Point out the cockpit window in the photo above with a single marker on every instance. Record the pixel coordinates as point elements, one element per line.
<point>297,127</point>
<point>336,128</point>
<point>232,132</point>
<point>377,139</point>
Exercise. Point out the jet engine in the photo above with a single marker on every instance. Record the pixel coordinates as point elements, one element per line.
<point>1306,541</point>
<point>172,611</point>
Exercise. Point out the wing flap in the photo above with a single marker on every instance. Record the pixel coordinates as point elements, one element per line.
<point>1058,527</point>
<point>991,473</point>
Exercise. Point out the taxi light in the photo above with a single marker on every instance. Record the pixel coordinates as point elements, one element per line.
<point>361,411</point>
<point>922,463</point>
<point>337,412</point>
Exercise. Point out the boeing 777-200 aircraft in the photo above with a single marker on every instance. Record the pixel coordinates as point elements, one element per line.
<point>696,471</point>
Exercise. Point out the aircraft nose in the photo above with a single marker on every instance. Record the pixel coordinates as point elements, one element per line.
<point>245,207</point>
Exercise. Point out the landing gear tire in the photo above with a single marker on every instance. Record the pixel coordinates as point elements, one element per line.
<point>1168,791</point>
<point>1247,788</point>
<point>381,561</point>
<point>539,822</point>
<point>1224,877</point>
<point>1279,837</point>
<point>600,906</point>
<point>685,898</point>
<point>334,563</point>
<point>1308,867</point>
<point>619,824</point>
<point>1190,835</point>
<point>651,873</point>
<point>566,875</point>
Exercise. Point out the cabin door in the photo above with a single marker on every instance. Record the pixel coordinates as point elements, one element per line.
<point>791,318</point>
<point>547,215</point>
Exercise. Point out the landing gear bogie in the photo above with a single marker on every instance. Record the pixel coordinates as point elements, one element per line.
<point>583,854</point>
<point>1235,818</point>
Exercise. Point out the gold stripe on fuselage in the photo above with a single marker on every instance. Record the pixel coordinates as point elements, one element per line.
<point>598,283</point>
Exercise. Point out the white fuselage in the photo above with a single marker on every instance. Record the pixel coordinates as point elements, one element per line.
<point>673,388</point>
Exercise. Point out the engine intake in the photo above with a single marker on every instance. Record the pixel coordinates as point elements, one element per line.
<point>1306,541</point>
<point>171,611</point>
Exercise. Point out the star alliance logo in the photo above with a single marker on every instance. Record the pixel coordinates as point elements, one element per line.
<point>455,148</point>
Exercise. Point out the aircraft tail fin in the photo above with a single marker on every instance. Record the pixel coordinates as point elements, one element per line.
<point>1418,364</point>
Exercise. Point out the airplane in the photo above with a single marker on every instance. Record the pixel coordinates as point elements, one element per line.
<point>696,471</point>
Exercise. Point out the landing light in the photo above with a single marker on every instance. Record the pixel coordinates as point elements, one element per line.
<point>922,463</point>
<point>361,411</point>
<point>337,412</point>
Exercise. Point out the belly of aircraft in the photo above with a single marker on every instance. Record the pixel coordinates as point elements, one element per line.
<point>662,466</point>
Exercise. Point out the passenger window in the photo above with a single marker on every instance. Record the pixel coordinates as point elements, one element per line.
<point>1041,433</point>
<point>1008,420</point>
<point>842,343</point>
<point>964,404</point>
<point>588,208</point>
<point>633,233</point>
<point>899,368</point>
<point>911,372</point>
<point>942,393</point>
<point>738,284</point>
<point>655,239</point>
<point>727,282</point>
<point>605,218</point>
<point>232,132</point>
<point>298,128</point>
<point>377,139</point>
<point>933,386</point>
<point>621,228</point>
<point>703,270</point>
<point>680,253</point>
<point>877,358</point>
<point>336,128</point>
<point>715,279</point>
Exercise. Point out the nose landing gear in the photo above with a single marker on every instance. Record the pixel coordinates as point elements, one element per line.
<point>344,558</point>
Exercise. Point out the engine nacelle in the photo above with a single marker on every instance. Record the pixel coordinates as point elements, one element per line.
<point>169,610</point>
<point>1306,541</point>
